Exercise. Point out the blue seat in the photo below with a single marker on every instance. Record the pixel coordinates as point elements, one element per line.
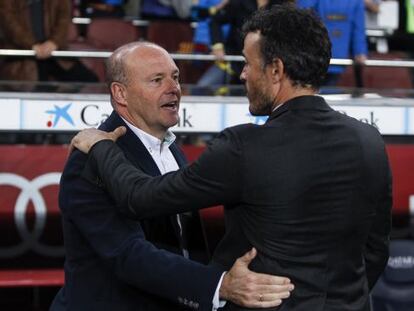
<point>394,290</point>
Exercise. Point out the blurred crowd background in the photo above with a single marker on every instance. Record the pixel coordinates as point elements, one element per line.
<point>359,30</point>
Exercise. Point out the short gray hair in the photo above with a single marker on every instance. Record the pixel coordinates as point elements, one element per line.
<point>115,68</point>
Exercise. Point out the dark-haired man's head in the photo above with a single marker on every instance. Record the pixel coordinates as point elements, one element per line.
<point>286,49</point>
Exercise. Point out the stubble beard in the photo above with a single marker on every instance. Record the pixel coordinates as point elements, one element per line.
<point>260,104</point>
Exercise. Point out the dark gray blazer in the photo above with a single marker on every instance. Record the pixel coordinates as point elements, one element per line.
<point>111,261</point>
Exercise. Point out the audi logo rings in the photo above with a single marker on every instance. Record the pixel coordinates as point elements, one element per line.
<point>30,192</point>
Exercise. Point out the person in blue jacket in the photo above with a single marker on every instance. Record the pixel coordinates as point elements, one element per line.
<point>345,21</point>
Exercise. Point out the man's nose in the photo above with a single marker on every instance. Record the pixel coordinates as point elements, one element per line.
<point>173,86</point>
<point>243,76</point>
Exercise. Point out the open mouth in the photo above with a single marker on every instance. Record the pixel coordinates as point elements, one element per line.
<point>173,106</point>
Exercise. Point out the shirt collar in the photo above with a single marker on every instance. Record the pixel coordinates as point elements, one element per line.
<point>277,107</point>
<point>151,142</point>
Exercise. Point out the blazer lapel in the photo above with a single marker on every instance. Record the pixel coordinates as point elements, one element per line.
<point>133,148</point>
<point>138,154</point>
<point>178,155</point>
<point>161,230</point>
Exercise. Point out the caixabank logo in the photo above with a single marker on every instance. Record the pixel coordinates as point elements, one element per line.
<point>59,114</point>
<point>47,114</point>
<point>63,115</point>
<point>77,115</point>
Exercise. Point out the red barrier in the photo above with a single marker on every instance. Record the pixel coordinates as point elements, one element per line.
<point>402,165</point>
<point>30,227</point>
<point>31,278</point>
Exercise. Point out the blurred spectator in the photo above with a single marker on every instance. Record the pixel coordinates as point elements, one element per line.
<point>379,15</point>
<point>403,38</point>
<point>201,13</point>
<point>345,22</point>
<point>76,8</point>
<point>166,9</point>
<point>234,13</point>
<point>41,25</point>
<point>132,8</point>
<point>215,75</point>
<point>372,8</point>
<point>102,8</point>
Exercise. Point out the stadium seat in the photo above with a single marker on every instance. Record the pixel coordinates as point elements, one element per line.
<point>110,33</point>
<point>169,34</point>
<point>394,290</point>
<point>176,37</point>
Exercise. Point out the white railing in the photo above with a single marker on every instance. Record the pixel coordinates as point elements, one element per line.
<point>201,57</point>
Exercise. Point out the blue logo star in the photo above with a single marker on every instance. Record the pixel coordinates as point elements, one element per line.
<point>61,113</point>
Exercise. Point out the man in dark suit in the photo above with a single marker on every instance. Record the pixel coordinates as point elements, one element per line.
<point>310,189</point>
<point>113,263</point>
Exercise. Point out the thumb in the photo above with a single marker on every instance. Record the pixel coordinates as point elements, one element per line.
<point>247,258</point>
<point>118,132</point>
<point>70,150</point>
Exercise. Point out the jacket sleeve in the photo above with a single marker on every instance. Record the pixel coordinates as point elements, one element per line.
<point>376,249</point>
<point>215,178</point>
<point>359,41</point>
<point>14,31</point>
<point>121,244</point>
<point>59,31</point>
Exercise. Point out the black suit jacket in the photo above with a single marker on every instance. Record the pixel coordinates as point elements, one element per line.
<point>110,263</point>
<point>310,189</point>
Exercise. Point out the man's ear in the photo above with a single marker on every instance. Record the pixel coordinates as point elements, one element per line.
<point>119,94</point>
<point>277,70</point>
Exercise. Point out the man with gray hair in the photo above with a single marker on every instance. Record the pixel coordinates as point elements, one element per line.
<point>113,263</point>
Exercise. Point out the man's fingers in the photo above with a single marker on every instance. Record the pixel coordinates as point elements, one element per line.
<point>273,289</point>
<point>262,301</point>
<point>118,132</point>
<point>71,147</point>
<point>253,290</point>
<point>266,300</point>
<point>247,257</point>
<point>266,304</point>
<point>266,279</point>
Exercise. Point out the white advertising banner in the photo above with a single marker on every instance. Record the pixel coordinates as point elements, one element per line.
<point>199,117</point>
<point>409,121</point>
<point>390,116</point>
<point>10,113</point>
<point>388,120</point>
<point>239,114</point>
<point>61,115</point>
